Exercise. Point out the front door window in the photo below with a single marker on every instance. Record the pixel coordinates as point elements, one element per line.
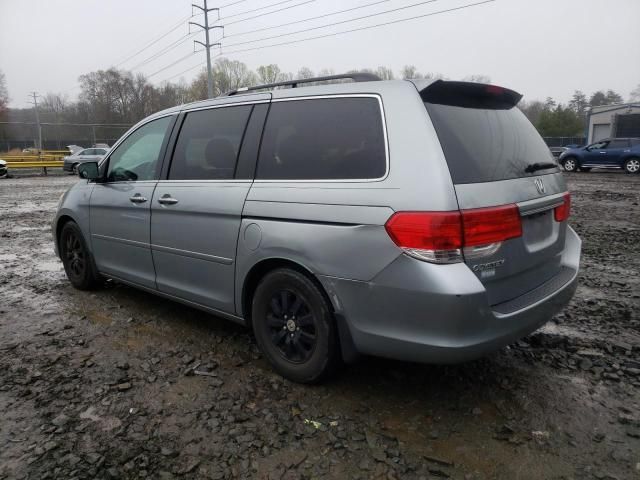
<point>136,158</point>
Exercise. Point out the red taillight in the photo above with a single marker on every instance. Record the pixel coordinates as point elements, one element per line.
<point>425,234</point>
<point>561,213</point>
<point>426,230</point>
<point>490,225</point>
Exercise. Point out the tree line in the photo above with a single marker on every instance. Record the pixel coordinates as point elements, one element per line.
<point>120,96</point>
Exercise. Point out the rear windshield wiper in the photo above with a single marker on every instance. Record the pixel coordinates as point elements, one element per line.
<point>534,167</point>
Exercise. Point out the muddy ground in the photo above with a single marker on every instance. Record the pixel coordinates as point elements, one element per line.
<point>101,385</point>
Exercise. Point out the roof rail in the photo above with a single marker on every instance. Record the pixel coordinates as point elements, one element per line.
<point>356,77</point>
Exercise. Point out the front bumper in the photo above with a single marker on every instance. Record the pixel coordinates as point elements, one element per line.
<point>68,166</point>
<point>421,312</point>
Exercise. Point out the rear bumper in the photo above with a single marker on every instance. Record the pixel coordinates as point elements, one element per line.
<point>421,312</point>
<point>68,166</point>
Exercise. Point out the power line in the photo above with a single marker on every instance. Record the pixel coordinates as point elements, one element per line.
<point>305,19</point>
<point>183,39</point>
<point>291,42</point>
<point>181,59</point>
<point>257,9</point>
<point>156,40</point>
<point>334,24</point>
<point>232,3</point>
<point>169,47</point>
<point>334,34</point>
<point>184,71</point>
<point>269,13</point>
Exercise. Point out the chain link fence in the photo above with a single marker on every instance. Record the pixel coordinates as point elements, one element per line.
<point>564,141</point>
<point>56,136</point>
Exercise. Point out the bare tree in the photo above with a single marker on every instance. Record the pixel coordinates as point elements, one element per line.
<point>305,72</point>
<point>410,71</point>
<point>4,94</point>
<point>385,73</point>
<point>55,102</point>
<point>268,73</point>
<point>477,78</point>
<point>635,94</point>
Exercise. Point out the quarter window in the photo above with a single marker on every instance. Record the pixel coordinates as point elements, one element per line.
<point>137,156</point>
<point>619,144</point>
<point>323,139</point>
<point>209,143</point>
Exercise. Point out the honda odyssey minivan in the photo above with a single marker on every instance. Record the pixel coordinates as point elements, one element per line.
<point>418,220</point>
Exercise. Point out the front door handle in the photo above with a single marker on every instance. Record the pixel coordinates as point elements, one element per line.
<point>167,199</point>
<point>137,198</point>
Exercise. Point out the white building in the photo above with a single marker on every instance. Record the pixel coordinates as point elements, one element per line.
<point>620,120</point>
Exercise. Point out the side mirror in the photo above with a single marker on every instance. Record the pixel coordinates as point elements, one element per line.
<point>88,171</point>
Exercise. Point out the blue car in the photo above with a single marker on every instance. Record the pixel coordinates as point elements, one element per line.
<point>609,153</point>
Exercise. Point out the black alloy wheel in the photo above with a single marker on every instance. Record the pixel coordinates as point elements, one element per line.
<point>294,326</point>
<point>76,258</point>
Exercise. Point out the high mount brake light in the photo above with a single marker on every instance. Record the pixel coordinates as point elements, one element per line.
<point>441,237</point>
<point>562,212</point>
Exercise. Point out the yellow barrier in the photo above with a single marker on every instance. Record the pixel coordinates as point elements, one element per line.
<point>31,158</point>
<point>36,164</point>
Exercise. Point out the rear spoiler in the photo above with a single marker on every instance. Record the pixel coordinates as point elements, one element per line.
<point>468,95</point>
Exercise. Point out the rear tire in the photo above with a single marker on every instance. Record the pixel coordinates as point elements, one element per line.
<point>632,165</point>
<point>570,164</point>
<point>74,169</point>
<point>294,326</point>
<point>76,258</point>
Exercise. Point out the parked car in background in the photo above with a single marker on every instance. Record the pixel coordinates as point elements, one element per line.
<point>557,151</point>
<point>72,161</point>
<point>418,220</point>
<point>3,169</point>
<point>609,153</point>
<point>74,148</point>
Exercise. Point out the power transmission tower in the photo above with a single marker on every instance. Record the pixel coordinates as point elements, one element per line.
<point>207,45</point>
<point>35,96</point>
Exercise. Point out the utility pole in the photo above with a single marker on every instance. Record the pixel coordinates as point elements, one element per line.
<point>35,96</point>
<point>207,45</point>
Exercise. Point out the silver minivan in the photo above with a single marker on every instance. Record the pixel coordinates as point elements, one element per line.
<point>418,220</point>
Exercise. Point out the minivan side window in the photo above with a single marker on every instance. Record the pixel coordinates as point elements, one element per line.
<point>209,143</point>
<point>137,156</point>
<point>338,138</point>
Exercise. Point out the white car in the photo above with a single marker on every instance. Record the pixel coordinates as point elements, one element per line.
<point>71,162</point>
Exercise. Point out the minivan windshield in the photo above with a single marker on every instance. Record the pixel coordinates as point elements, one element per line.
<point>487,145</point>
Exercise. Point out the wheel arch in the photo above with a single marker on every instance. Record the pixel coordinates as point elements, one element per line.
<point>261,268</point>
<point>61,221</point>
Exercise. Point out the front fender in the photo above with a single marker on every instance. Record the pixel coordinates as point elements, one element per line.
<point>74,205</point>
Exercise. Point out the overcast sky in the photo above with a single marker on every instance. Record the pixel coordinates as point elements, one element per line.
<point>540,48</point>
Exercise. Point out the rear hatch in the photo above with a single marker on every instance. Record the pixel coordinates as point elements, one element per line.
<point>497,159</point>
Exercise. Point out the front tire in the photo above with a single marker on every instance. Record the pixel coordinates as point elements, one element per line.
<point>632,165</point>
<point>294,326</point>
<point>570,164</point>
<point>76,258</point>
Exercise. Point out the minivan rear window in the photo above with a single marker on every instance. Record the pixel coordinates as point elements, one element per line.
<point>323,139</point>
<point>488,144</point>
